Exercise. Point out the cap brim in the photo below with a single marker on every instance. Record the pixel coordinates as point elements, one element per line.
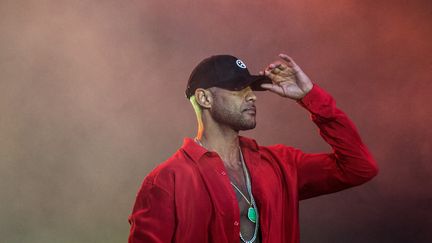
<point>253,81</point>
<point>256,81</point>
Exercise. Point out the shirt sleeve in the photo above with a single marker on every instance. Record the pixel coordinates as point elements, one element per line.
<point>349,164</point>
<point>153,216</point>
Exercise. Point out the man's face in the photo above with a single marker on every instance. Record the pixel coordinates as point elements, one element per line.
<point>235,109</point>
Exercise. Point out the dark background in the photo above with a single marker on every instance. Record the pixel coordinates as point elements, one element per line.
<point>92,98</point>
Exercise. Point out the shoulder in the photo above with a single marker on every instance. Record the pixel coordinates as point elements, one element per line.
<point>281,153</point>
<point>164,174</point>
<point>280,149</point>
<point>275,151</point>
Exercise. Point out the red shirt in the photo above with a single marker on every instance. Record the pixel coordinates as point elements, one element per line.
<point>189,198</point>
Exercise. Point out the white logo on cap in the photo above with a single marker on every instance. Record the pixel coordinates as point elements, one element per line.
<point>240,63</point>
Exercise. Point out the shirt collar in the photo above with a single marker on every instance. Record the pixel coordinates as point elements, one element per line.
<point>196,151</point>
<point>248,143</point>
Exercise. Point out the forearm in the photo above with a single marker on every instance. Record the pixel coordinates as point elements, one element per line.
<point>350,163</point>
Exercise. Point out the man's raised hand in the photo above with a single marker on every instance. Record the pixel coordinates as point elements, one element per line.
<point>288,79</point>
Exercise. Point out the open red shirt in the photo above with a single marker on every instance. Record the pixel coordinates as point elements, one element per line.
<point>189,198</point>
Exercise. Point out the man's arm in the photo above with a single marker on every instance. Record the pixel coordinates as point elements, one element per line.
<point>153,216</point>
<point>350,163</point>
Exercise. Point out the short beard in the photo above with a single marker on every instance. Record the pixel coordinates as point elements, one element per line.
<point>235,121</point>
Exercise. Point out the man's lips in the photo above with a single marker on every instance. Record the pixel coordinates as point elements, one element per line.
<point>251,109</point>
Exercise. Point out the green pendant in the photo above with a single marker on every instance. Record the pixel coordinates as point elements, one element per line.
<point>252,215</point>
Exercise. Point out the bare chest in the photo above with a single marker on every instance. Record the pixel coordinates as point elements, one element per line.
<point>238,179</point>
<point>238,183</point>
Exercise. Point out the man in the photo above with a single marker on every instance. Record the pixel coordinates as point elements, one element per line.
<point>222,187</point>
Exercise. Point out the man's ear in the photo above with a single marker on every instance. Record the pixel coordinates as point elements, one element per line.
<point>204,98</point>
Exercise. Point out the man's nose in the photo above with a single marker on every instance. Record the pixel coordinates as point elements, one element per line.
<point>250,96</point>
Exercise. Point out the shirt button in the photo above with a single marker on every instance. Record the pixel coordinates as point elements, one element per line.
<point>236,223</point>
<point>223,173</point>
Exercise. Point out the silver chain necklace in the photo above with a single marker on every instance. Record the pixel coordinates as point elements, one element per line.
<point>253,210</point>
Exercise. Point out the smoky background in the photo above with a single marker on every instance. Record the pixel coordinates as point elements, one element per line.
<point>92,99</point>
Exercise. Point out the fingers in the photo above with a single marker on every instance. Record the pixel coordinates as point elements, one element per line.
<point>277,67</point>
<point>270,74</point>
<point>277,76</point>
<point>286,58</point>
<point>290,62</point>
<point>274,68</point>
<point>281,70</point>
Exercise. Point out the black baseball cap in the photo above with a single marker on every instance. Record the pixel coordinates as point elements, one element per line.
<point>223,71</point>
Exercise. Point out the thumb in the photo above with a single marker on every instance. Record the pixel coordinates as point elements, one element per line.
<point>272,87</point>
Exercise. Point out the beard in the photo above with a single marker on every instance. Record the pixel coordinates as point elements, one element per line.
<point>239,121</point>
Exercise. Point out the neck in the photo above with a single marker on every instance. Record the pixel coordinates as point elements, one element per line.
<point>222,140</point>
